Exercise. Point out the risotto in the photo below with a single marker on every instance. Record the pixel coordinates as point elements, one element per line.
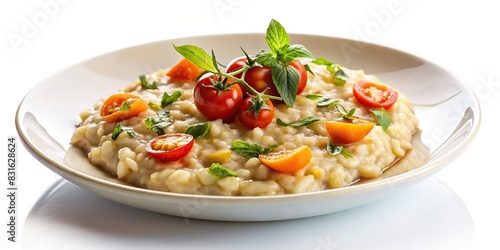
<point>125,153</point>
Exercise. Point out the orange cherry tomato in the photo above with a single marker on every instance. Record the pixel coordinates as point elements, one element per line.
<point>374,95</point>
<point>122,106</point>
<point>346,131</point>
<point>184,71</point>
<point>287,161</point>
<point>170,147</point>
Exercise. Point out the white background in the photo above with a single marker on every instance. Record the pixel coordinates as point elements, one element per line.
<point>455,209</point>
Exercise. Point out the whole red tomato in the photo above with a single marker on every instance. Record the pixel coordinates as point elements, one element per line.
<point>237,64</point>
<point>247,117</point>
<point>214,103</point>
<point>260,77</point>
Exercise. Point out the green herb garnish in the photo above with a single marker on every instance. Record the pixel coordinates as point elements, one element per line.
<point>323,101</point>
<point>146,85</point>
<point>339,76</point>
<point>198,130</point>
<point>313,96</point>
<point>345,114</point>
<point>301,123</point>
<point>158,123</point>
<point>125,106</point>
<point>327,102</point>
<point>278,57</point>
<point>119,129</point>
<point>219,171</point>
<point>167,99</point>
<point>249,150</point>
<point>383,118</point>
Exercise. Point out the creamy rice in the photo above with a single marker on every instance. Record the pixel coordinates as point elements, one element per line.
<point>127,159</point>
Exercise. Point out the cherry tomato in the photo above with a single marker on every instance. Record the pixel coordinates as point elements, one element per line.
<point>346,131</point>
<point>170,147</point>
<point>247,118</point>
<point>374,95</point>
<point>214,105</point>
<point>302,75</point>
<point>260,77</point>
<point>236,64</point>
<point>122,106</point>
<point>184,71</point>
<point>287,161</point>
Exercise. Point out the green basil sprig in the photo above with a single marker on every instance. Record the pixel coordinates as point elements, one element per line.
<point>278,57</point>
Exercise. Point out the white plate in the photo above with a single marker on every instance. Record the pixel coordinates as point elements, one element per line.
<point>449,116</point>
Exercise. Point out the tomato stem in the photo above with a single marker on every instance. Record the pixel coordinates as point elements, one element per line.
<point>242,71</point>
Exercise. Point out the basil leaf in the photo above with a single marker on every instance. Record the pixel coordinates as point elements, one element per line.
<point>116,131</point>
<point>198,56</point>
<point>276,37</point>
<point>333,149</point>
<point>266,58</point>
<point>308,68</point>
<point>198,130</point>
<point>146,85</point>
<point>327,102</point>
<point>286,79</point>
<point>167,99</point>
<point>322,61</point>
<point>304,122</point>
<point>218,170</point>
<point>313,96</point>
<point>296,51</point>
<point>345,114</point>
<point>340,77</point>
<point>383,118</point>
<point>249,150</point>
<point>119,129</point>
<point>159,122</point>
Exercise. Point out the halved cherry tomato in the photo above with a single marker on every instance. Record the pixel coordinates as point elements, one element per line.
<point>170,147</point>
<point>260,77</point>
<point>122,106</point>
<point>346,131</point>
<point>288,161</point>
<point>215,104</point>
<point>184,71</point>
<point>247,117</point>
<point>374,95</point>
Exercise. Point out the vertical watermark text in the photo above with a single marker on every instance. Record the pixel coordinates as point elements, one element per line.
<point>11,189</point>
